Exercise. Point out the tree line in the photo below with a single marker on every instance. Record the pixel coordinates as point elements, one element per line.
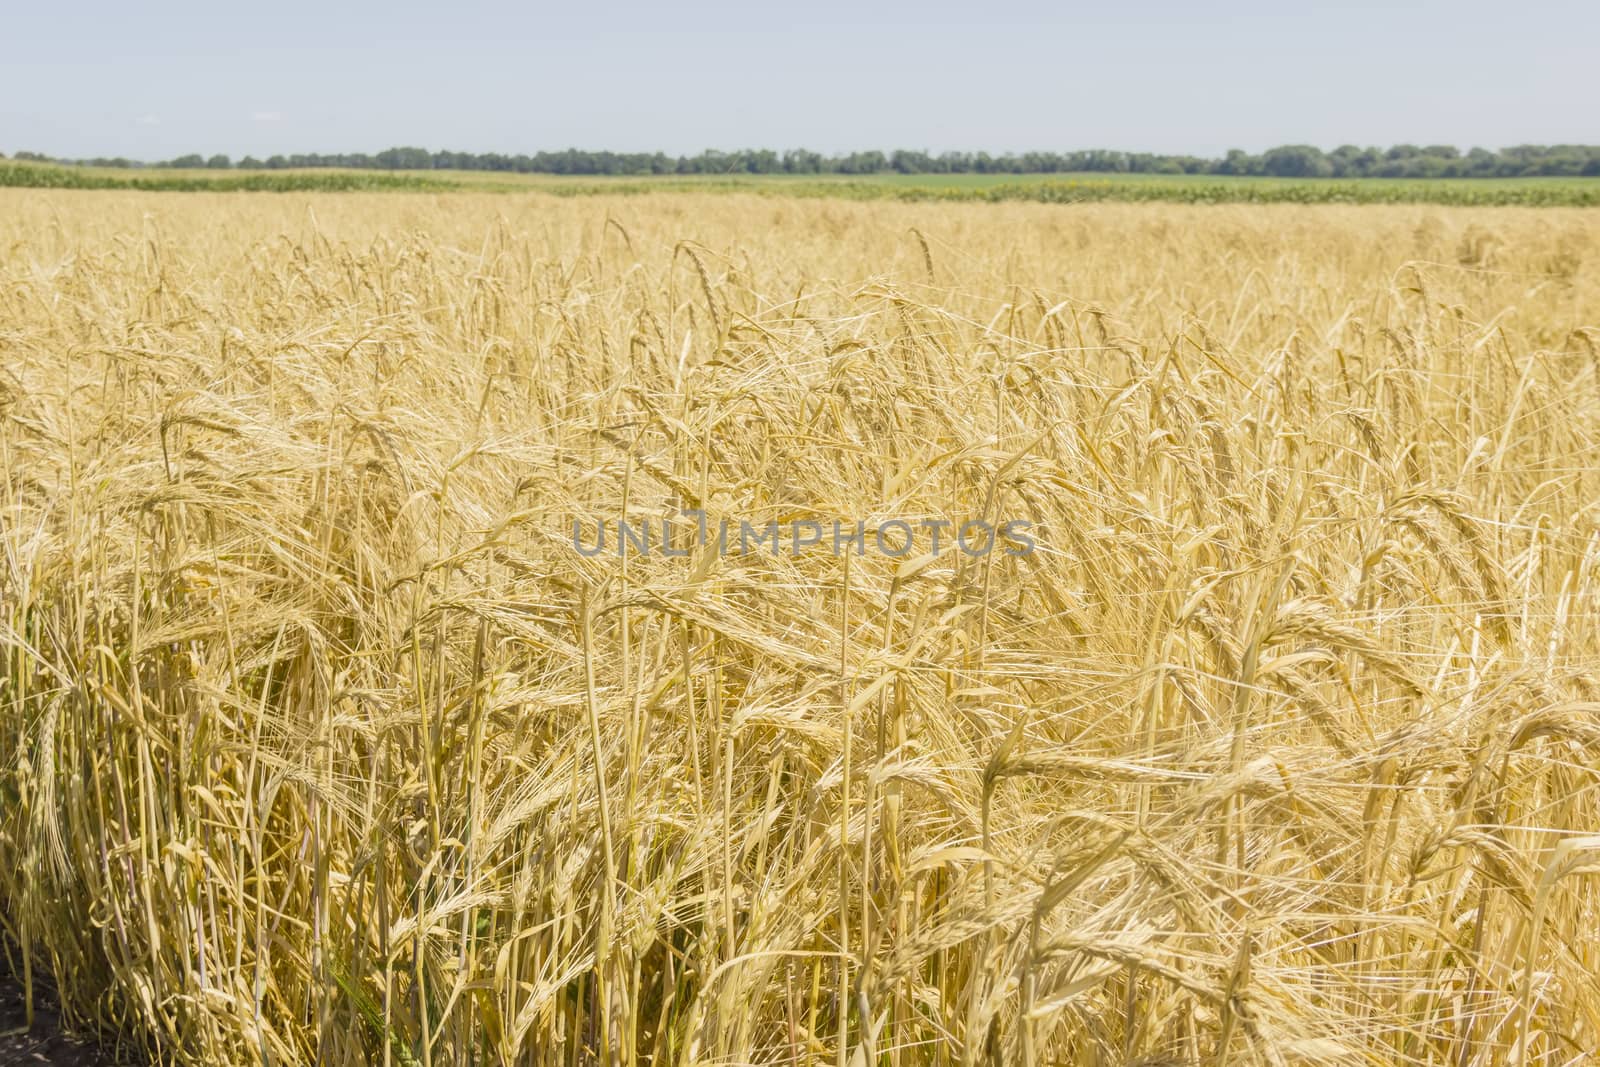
<point>1289,161</point>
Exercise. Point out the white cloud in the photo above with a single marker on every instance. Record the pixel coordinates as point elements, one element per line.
<point>266,116</point>
<point>148,120</point>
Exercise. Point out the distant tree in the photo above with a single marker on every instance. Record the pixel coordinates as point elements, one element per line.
<point>763,161</point>
<point>219,162</point>
<point>863,163</point>
<point>1427,165</point>
<point>1564,160</point>
<point>1343,161</point>
<point>405,159</point>
<point>250,163</point>
<point>801,161</point>
<point>1296,161</point>
<point>1237,161</point>
<point>906,161</point>
<point>192,161</point>
<point>1100,159</point>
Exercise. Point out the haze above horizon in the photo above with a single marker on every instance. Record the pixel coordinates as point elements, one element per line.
<point>172,78</point>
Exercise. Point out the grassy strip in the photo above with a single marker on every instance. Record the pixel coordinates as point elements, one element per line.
<point>1462,192</point>
<point>340,181</point>
<point>1271,191</point>
<point>1534,192</point>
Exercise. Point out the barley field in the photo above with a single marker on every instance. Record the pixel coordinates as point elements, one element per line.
<point>324,740</point>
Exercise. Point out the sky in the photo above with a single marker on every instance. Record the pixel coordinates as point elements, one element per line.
<point>159,79</point>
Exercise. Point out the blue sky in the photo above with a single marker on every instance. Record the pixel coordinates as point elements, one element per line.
<point>158,79</point>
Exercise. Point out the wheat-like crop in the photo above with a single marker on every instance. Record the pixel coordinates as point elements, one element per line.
<point>323,741</point>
